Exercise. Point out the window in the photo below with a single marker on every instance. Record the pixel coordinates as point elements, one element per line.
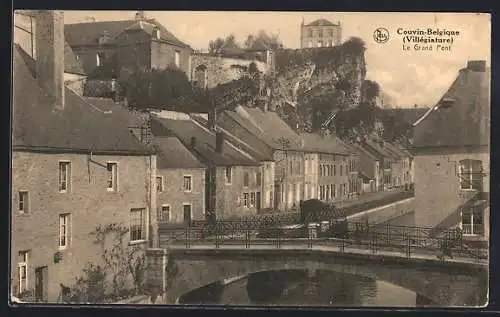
<point>330,32</point>
<point>229,175</point>
<point>306,166</point>
<point>100,58</point>
<point>252,199</point>
<point>188,214</point>
<point>64,230</point>
<point>64,176</point>
<point>320,43</point>
<point>187,184</point>
<point>245,179</point>
<point>334,189</point>
<point>341,166</point>
<point>23,271</point>
<point>177,59</point>
<point>311,43</point>
<point>159,184</point>
<point>334,170</point>
<point>23,202</point>
<point>245,200</point>
<point>320,33</point>
<point>156,33</point>
<point>471,174</point>
<point>259,178</point>
<point>327,194</point>
<point>112,170</point>
<point>164,215</point>
<point>310,33</point>
<point>137,224</point>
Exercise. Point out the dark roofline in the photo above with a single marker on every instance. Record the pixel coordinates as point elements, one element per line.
<point>53,150</point>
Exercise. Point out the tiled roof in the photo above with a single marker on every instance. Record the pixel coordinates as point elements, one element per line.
<point>271,128</point>
<point>321,22</point>
<point>127,117</point>
<point>205,141</point>
<point>78,127</point>
<point>87,33</point>
<point>377,150</point>
<point>244,144</point>
<point>317,144</point>
<point>466,120</point>
<point>362,151</point>
<point>408,115</point>
<point>171,153</point>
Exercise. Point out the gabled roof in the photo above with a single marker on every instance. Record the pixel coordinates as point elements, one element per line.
<point>408,115</point>
<point>204,148</point>
<point>462,116</point>
<point>378,150</point>
<point>79,127</point>
<point>317,144</point>
<point>88,33</point>
<point>321,22</point>
<point>270,128</point>
<point>238,142</point>
<point>171,153</point>
<point>364,152</point>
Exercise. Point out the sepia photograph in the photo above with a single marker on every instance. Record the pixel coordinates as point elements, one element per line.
<point>250,158</point>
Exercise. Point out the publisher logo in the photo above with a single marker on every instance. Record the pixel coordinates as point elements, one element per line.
<point>381,35</point>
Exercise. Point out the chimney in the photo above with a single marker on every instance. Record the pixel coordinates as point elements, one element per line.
<point>49,39</point>
<point>212,119</point>
<point>193,142</point>
<point>476,66</point>
<point>219,142</point>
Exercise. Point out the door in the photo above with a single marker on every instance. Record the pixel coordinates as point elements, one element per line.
<point>187,214</point>
<point>41,276</point>
<point>257,201</point>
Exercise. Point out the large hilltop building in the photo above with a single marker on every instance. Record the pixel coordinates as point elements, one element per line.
<point>320,33</point>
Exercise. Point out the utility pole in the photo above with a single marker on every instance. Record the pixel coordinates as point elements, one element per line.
<point>285,144</point>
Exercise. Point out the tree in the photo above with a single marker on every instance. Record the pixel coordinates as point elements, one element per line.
<point>215,46</point>
<point>270,40</point>
<point>354,45</point>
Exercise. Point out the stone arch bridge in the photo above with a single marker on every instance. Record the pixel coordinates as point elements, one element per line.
<point>446,283</point>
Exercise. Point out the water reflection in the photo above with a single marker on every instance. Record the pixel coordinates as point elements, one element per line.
<point>302,288</point>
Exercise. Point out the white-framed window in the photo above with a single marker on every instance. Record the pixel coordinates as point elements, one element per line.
<point>471,174</point>
<point>64,227</point>
<point>472,220</point>
<point>164,215</point>
<point>112,176</point>
<point>156,33</point>
<point>229,175</point>
<point>258,179</point>
<point>246,201</point>
<point>23,201</point>
<point>327,192</point>
<point>252,199</point>
<point>187,183</point>
<point>177,58</point>
<point>137,224</point>
<point>64,176</point>
<point>311,34</point>
<point>23,270</point>
<point>159,184</point>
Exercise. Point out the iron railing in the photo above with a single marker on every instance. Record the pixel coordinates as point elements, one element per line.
<point>340,234</point>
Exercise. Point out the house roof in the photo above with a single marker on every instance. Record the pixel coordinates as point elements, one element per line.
<point>378,150</point>
<point>321,22</point>
<point>80,126</point>
<point>128,117</point>
<point>88,33</point>
<point>204,149</point>
<point>316,143</point>
<point>408,115</point>
<point>462,116</point>
<point>362,151</point>
<point>270,128</point>
<point>244,144</point>
<point>171,153</point>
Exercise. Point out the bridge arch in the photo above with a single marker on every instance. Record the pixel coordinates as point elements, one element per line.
<point>446,285</point>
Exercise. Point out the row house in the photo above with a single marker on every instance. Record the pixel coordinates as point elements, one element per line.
<point>451,147</point>
<point>106,49</point>
<point>327,168</point>
<point>74,167</point>
<point>369,169</point>
<point>266,133</point>
<point>402,168</point>
<point>386,158</point>
<point>232,177</point>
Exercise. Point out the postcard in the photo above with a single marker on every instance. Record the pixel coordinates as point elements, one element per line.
<point>333,159</point>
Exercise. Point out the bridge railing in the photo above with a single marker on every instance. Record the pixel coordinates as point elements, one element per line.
<point>340,235</point>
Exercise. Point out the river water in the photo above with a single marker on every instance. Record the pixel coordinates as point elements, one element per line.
<point>303,288</point>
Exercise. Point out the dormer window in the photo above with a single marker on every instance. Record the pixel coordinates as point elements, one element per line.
<point>100,57</point>
<point>156,33</point>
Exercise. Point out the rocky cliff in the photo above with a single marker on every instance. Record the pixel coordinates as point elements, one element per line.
<point>309,85</point>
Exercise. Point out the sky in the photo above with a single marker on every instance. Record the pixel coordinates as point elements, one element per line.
<point>408,76</point>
